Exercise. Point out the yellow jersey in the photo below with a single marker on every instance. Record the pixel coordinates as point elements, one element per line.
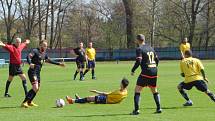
<point>184,47</point>
<point>116,96</point>
<point>91,53</point>
<point>191,67</point>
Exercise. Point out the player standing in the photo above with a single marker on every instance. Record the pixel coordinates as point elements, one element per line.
<point>80,52</point>
<point>15,63</point>
<point>148,61</point>
<point>193,71</point>
<point>36,58</point>
<point>184,46</point>
<point>91,60</point>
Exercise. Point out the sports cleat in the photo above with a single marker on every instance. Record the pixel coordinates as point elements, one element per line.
<point>188,103</point>
<point>25,105</point>
<point>135,112</point>
<point>159,111</point>
<point>82,79</point>
<point>32,104</point>
<point>77,96</point>
<point>7,95</point>
<point>93,77</point>
<point>69,100</point>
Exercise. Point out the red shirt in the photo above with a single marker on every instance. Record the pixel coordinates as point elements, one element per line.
<point>15,52</point>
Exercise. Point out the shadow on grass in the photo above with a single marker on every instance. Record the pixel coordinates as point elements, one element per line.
<point>8,107</point>
<point>173,108</point>
<point>100,115</point>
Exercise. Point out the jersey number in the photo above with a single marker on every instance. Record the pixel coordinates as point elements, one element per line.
<point>151,57</point>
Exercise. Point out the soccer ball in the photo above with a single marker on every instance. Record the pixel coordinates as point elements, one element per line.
<point>60,103</point>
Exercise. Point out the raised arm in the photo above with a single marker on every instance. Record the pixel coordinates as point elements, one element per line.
<point>48,60</point>
<point>2,44</point>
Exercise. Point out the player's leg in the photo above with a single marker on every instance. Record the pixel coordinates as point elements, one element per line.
<point>80,100</point>
<point>138,89</point>
<point>24,83</point>
<point>202,86</point>
<point>9,80</point>
<point>156,96</point>
<point>93,70</point>
<point>81,71</point>
<point>181,88</point>
<point>88,67</point>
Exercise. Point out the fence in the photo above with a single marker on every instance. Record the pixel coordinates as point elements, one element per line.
<point>122,54</point>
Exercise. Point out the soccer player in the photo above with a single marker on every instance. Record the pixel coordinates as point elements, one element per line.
<point>103,97</point>
<point>193,72</point>
<point>184,46</point>
<point>80,52</point>
<point>36,58</point>
<point>15,63</point>
<point>147,59</point>
<point>90,56</point>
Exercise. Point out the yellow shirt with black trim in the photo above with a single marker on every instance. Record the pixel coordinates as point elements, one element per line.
<point>116,96</point>
<point>91,53</point>
<point>184,47</point>
<point>191,67</point>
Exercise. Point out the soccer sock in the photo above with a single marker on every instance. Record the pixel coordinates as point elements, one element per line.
<point>157,100</point>
<point>82,100</point>
<point>76,72</point>
<point>211,95</point>
<point>81,75</point>
<point>86,71</point>
<point>29,95</point>
<point>24,84</point>
<point>136,101</point>
<point>7,86</point>
<point>93,73</point>
<point>184,94</point>
<point>33,95</point>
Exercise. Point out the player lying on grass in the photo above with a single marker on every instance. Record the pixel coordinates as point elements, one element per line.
<point>193,71</point>
<point>35,59</point>
<point>104,97</point>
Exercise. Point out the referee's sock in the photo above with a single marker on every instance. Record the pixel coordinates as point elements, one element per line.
<point>7,86</point>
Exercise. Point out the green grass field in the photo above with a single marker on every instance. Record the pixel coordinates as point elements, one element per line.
<point>56,82</point>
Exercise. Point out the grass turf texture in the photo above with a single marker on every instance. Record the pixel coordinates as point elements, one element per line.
<point>56,82</point>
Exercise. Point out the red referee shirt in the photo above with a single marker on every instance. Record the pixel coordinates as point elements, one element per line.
<point>15,52</point>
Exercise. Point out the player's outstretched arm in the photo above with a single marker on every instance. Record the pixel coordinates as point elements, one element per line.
<point>55,63</point>
<point>2,44</point>
<point>98,92</point>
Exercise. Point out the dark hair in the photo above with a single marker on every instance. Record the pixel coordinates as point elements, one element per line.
<point>188,53</point>
<point>125,82</point>
<point>42,41</point>
<point>140,37</point>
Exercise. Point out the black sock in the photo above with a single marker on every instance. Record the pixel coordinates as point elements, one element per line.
<point>184,94</point>
<point>86,71</point>
<point>76,72</point>
<point>30,95</point>
<point>81,75</point>
<point>93,73</point>
<point>24,84</point>
<point>211,95</point>
<point>157,99</point>
<point>33,95</point>
<point>7,86</point>
<point>82,100</point>
<point>136,101</point>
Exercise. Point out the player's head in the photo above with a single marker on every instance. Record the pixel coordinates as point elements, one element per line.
<point>188,53</point>
<point>81,44</point>
<point>184,40</point>
<point>18,41</point>
<point>90,44</point>
<point>124,83</point>
<point>43,45</point>
<point>140,39</point>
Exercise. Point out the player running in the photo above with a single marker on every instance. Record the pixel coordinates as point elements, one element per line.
<point>193,72</point>
<point>90,56</point>
<point>184,46</point>
<point>15,63</point>
<point>35,59</point>
<point>104,97</point>
<point>80,52</point>
<point>148,61</point>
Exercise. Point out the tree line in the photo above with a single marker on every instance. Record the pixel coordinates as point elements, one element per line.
<point>109,24</point>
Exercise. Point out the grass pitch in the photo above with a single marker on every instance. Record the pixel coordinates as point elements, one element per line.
<point>56,82</point>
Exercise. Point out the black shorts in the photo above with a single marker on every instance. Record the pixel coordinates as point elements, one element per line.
<point>15,69</point>
<point>34,75</point>
<point>80,64</point>
<point>91,64</point>
<point>144,81</point>
<point>100,99</point>
<point>199,84</point>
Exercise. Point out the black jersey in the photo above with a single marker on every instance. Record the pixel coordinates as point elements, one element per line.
<point>146,57</point>
<point>81,53</point>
